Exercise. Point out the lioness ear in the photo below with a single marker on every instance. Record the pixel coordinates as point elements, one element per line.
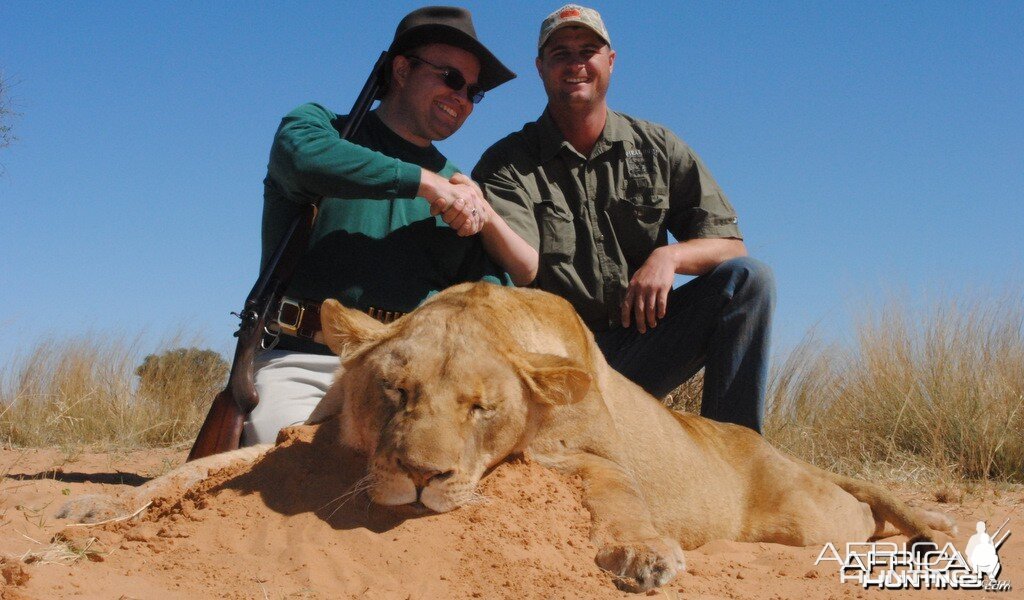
<point>345,328</point>
<point>554,379</point>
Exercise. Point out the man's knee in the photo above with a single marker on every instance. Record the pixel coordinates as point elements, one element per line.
<point>750,275</point>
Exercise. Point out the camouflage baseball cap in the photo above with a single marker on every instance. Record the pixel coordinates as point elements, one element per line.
<point>572,15</point>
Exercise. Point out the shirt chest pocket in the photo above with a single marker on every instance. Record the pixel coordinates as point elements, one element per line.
<point>557,231</point>
<point>638,222</point>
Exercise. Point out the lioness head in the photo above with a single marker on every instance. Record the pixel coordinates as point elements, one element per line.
<point>437,398</point>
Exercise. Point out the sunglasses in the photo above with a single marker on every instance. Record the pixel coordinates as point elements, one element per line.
<point>454,79</point>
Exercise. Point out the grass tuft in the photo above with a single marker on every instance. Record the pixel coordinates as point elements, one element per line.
<point>63,551</point>
<point>940,395</point>
<point>85,392</point>
<point>932,398</point>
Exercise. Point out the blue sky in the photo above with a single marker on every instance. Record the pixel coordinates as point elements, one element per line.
<point>869,147</point>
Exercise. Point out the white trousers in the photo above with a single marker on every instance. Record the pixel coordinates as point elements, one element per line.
<point>290,385</point>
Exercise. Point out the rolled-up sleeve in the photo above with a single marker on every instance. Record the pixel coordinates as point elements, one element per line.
<point>699,207</point>
<point>506,193</point>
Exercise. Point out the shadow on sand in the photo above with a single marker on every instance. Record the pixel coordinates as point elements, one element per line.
<point>311,472</point>
<point>132,479</point>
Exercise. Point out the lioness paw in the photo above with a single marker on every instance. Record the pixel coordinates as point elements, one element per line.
<point>641,566</point>
<point>91,508</point>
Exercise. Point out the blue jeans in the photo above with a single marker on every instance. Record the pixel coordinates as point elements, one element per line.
<point>720,321</point>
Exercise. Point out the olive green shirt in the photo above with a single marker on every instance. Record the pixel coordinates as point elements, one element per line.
<point>595,220</point>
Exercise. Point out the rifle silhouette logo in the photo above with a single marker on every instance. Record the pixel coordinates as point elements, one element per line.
<point>983,550</point>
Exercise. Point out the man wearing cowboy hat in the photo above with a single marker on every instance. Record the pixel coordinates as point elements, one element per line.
<point>593,194</point>
<point>377,245</point>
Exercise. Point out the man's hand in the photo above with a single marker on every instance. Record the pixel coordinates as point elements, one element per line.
<point>473,204</point>
<point>647,295</point>
<point>459,201</point>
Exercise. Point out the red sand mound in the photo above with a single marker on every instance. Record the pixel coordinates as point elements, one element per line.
<point>287,528</point>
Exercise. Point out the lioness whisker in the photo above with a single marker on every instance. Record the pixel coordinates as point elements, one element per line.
<point>476,497</point>
<point>361,485</point>
<point>343,500</point>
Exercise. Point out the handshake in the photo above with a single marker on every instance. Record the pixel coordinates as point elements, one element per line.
<point>458,200</point>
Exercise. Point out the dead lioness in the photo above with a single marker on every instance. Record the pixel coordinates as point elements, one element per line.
<point>480,373</point>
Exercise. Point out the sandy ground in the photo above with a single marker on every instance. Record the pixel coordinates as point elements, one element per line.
<point>286,529</point>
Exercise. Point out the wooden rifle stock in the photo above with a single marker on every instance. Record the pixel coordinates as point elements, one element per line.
<point>222,429</point>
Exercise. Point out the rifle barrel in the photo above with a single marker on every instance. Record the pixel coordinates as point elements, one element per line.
<point>996,544</point>
<point>1000,528</point>
<point>259,288</point>
<point>363,102</point>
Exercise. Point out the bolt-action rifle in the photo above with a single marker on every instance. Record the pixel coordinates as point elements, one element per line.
<point>222,429</point>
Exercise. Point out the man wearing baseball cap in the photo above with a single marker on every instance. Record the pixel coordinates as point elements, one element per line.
<point>594,193</point>
<point>376,244</point>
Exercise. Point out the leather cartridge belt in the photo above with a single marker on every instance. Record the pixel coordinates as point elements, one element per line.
<point>301,318</point>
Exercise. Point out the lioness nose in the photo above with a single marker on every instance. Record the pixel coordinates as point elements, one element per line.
<point>421,476</point>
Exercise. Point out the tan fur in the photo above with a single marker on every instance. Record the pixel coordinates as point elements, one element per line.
<point>480,373</point>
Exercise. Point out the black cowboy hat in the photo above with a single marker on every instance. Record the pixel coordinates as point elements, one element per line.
<point>452,26</point>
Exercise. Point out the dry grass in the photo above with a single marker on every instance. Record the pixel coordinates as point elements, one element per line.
<point>941,396</point>
<point>686,398</point>
<point>85,392</point>
<point>938,397</point>
<point>63,551</point>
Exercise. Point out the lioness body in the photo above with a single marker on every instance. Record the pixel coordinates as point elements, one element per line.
<point>654,479</point>
<point>704,480</point>
<point>480,373</point>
